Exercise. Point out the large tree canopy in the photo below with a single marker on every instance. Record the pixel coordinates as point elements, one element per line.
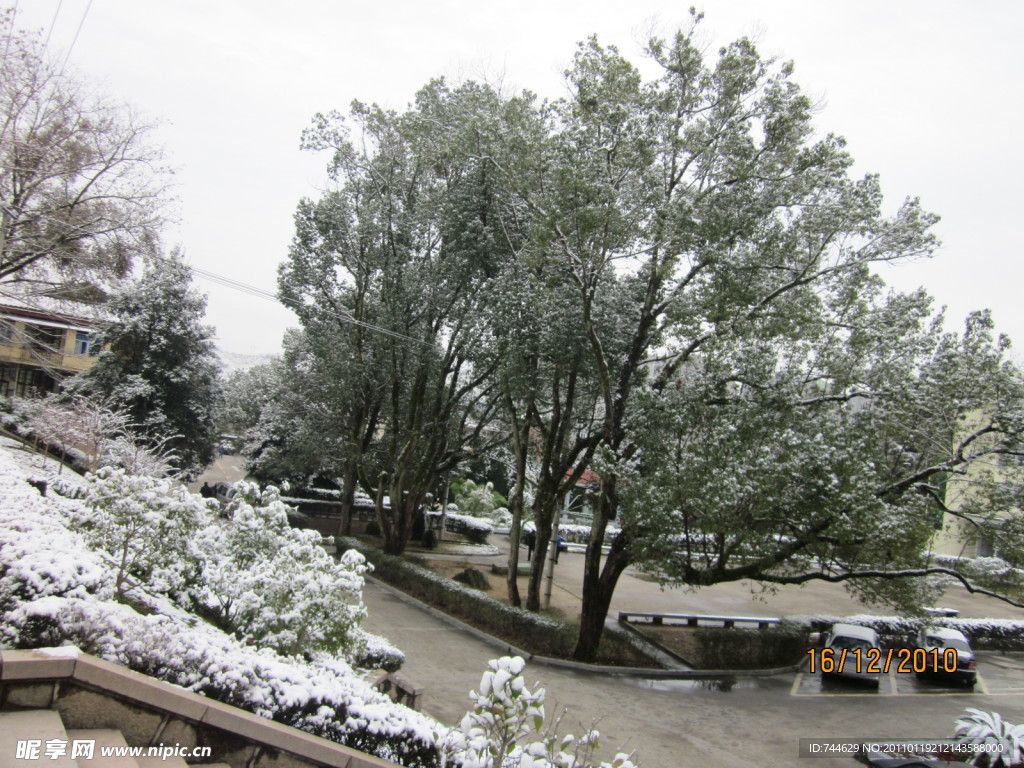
<point>668,281</point>
<point>159,364</point>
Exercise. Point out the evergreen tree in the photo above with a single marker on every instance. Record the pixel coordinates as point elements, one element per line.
<point>158,363</point>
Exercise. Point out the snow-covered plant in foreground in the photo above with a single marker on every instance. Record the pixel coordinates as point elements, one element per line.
<point>57,589</point>
<point>1002,742</point>
<point>507,728</point>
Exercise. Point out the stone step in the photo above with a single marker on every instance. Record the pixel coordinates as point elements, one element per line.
<point>104,737</point>
<point>35,725</point>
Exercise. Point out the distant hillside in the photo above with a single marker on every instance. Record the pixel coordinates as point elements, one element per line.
<point>233,361</point>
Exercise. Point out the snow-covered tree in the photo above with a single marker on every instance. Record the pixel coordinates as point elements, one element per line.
<point>96,432</point>
<point>158,363</point>
<point>392,269</point>
<point>81,187</point>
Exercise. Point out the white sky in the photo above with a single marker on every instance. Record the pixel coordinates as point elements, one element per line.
<point>928,94</point>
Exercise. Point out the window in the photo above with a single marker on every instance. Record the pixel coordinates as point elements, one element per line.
<point>84,343</point>
<point>45,340</point>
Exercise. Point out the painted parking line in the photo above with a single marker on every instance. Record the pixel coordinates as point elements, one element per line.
<point>980,689</point>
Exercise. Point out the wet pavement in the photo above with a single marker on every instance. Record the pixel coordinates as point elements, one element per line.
<point>734,722</point>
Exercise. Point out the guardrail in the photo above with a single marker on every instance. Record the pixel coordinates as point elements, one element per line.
<point>695,619</point>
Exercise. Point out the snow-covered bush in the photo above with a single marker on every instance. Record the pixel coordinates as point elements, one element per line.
<point>507,727</point>
<point>92,432</point>
<point>147,526</point>
<point>990,572</point>
<point>323,695</point>
<point>274,584</point>
<point>995,742</point>
<point>473,528</point>
<point>501,518</point>
<point>56,589</point>
<point>477,500</point>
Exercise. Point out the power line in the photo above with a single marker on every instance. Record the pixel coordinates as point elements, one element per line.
<point>53,23</point>
<point>269,296</point>
<point>75,38</point>
<point>262,293</point>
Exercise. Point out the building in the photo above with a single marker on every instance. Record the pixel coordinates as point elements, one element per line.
<point>39,349</point>
<point>974,534</point>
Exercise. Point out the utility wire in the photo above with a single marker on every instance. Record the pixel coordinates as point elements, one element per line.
<point>75,38</point>
<point>262,293</point>
<point>53,23</point>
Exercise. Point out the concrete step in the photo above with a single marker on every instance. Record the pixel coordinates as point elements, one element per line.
<point>104,737</point>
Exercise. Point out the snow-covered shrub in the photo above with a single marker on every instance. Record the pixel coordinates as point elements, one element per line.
<point>273,584</point>
<point>323,695</point>
<point>501,518</point>
<point>990,572</point>
<point>55,589</point>
<point>575,534</point>
<point>145,525</point>
<point>473,528</point>
<point>371,651</point>
<point>996,742</point>
<point>477,500</point>
<point>92,432</point>
<point>507,727</point>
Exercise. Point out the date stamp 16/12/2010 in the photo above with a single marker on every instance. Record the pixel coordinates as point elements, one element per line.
<point>867,661</point>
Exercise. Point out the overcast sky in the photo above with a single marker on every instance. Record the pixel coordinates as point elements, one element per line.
<point>928,94</point>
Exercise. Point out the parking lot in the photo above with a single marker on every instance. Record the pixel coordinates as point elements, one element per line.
<point>998,675</point>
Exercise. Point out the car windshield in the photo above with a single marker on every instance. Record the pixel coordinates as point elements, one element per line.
<point>948,642</point>
<point>851,643</point>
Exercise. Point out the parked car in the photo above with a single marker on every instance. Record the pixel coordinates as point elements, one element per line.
<point>224,492</point>
<point>882,760</point>
<point>937,642</point>
<point>862,653</point>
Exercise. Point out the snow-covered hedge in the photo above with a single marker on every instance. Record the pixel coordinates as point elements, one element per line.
<point>538,634</point>
<point>473,528</point>
<point>323,696</point>
<point>989,572</point>
<point>984,634</point>
<point>59,585</point>
<point>576,534</point>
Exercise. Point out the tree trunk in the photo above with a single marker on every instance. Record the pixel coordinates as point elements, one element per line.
<point>543,514</point>
<point>520,446</point>
<point>598,588</point>
<point>348,492</point>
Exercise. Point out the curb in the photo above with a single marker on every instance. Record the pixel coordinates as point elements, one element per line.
<point>578,666</point>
